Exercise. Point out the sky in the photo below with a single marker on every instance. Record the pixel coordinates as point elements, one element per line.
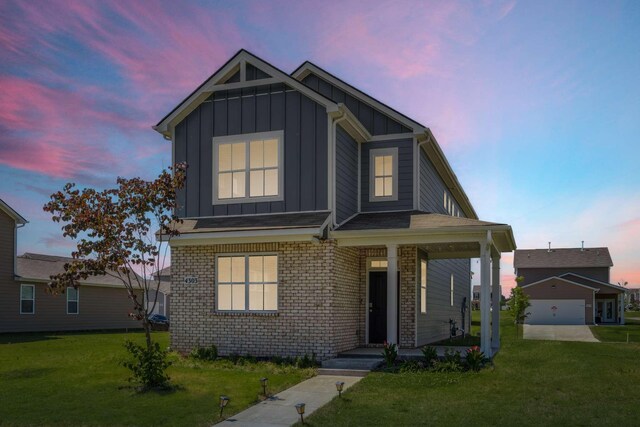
<point>536,104</point>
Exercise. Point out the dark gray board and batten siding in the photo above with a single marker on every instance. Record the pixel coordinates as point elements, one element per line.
<point>432,188</point>
<point>346,175</point>
<point>376,122</point>
<point>405,176</point>
<point>256,109</point>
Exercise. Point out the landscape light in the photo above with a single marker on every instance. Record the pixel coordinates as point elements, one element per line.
<point>300,409</point>
<point>224,401</point>
<point>339,387</point>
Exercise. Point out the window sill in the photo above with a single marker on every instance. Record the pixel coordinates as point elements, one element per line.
<point>246,313</point>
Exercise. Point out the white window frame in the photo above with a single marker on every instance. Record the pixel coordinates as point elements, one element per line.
<point>423,286</point>
<point>373,153</point>
<point>247,281</point>
<point>452,289</point>
<point>77,301</point>
<point>33,287</point>
<point>247,138</point>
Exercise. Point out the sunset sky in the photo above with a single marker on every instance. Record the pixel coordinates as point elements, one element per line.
<point>535,103</point>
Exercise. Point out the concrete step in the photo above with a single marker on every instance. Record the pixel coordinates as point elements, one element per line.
<point>343,372</point>
<point>352,363</point>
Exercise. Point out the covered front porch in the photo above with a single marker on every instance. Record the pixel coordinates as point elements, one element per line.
<point>407,301</point>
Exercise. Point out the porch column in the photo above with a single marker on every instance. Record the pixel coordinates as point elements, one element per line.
<point>485,296</point>
<point>496,293</point>
<point>392,294</point>
<point>621,300</point>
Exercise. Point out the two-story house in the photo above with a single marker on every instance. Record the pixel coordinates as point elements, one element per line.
<point>26,305</point>
<point>317,220</point>
<point>569,286</point>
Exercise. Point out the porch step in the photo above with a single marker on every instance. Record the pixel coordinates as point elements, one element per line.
<point>357,365</point>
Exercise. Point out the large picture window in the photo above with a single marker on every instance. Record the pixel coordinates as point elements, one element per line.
<point>27,299</point>
<point>247,283</point>
<point>248,167</point>
<point>72,300</point>
<point>383,174</point>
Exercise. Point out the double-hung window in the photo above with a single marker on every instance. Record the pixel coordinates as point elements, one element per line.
<point>27,299</point>
<point>247,283</point>
<point>248,168</point>
<point>383,174</point>
<point>73,297</point>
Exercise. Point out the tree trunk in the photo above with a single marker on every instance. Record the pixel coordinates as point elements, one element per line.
<point>147,332</point>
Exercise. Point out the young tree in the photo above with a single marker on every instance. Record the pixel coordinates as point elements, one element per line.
<point>518,304</point>
<point>120,231</point>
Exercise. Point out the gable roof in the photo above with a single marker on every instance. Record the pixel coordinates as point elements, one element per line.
<point>562,258</point>
<point>589,281</point>
<point>40,268</point>
<point>218,81</point>
<point>19,219</point>
<point>561,279</point>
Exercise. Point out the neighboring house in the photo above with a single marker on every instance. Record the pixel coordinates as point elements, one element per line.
<point>569,286</point>
<point>317,220</point>
<point>475,297</point>
<point>161,304</point>
<point>632,296</point>
<point>25,304</point>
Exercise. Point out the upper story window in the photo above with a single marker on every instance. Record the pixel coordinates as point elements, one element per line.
<point>27,299</point>
<point>248,168</point>
<point>383,174</point>
<point>247,283</point>
<point>72,300</point>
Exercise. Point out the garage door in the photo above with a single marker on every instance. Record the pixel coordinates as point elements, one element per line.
<point>556,312</point>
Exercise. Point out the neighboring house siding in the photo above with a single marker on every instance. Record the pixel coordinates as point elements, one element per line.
<point>405,176</point>
<point>374,120</point>
<point>432,188</point>
<point>99,308</point>
<point>555,289</point>
<point>257,109</point>
<point>532,275</point>
<point>346,175</point>
<point>8,302</point>
<point>434,326</point>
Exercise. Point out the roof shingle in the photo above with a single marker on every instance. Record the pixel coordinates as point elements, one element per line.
<point>562,258</point>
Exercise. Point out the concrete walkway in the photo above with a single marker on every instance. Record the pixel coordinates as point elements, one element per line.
<point>558,333</point>
<point>280,411</point>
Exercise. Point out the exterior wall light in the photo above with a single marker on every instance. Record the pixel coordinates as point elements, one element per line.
<point>224,401</point>
<point>339,387</point>
<point>300,410</point>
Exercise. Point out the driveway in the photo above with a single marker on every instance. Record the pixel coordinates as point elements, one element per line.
<point>558,333</point>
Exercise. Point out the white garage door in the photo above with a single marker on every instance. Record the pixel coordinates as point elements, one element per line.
<point>556,312</point>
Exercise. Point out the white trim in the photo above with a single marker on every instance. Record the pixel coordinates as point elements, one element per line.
<point>373,153</point>
<point>242,84</point>
<point>331,137</point>
<point>451,291</point>
<point>426,285</point>
<point>77,301</point>
<point>255,214</point>
<point>247,236</point>
<point>353,127</point>
<point>19,219</point>
<point>246,139</point>
<point>33,288</point>
<point>246,256</point>
<point>561,279</point>
<point>392,136</point>
<point>416,175</point>
<point>359,178</point>
<point>196,98</point>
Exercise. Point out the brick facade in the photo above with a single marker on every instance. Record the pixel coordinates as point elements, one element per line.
<point>321,301</point>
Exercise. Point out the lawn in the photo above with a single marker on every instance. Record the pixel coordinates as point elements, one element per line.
<point>620,333</point>
<point>531,383</point>
<point>76,379</point>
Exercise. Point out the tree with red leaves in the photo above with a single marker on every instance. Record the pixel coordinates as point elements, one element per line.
<point>122,232</point>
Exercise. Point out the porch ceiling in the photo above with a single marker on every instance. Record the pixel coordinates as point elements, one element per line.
<point>452,250</point>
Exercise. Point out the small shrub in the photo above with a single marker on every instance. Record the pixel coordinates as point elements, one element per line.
<point>412,366</point>
<point>430,354</point>
<point>446,366</point>
<point>453,356</point>
<point>205,353</point>
<point>148,366</point>
<point>390,353</point>
<point>475,358</point>
<point>306,361</point>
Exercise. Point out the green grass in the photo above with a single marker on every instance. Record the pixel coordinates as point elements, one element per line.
<point>532,383</point>
<point>76,379</point>
<point>632,315</point>
<point>619,333</point>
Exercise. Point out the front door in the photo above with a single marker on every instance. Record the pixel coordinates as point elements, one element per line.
<point>609,311</point>
<point>378,306</point>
